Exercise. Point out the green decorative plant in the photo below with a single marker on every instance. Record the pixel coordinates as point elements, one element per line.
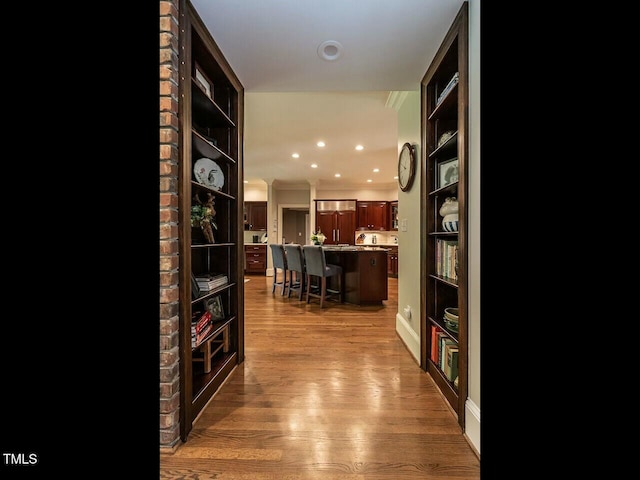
<point>202,215</point>
<point>318,237</point>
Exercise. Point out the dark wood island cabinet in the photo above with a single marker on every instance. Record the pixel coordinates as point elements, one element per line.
<point>364,273</point>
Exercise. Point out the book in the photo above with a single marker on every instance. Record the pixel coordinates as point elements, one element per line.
<point>451,367</point>
<point>435,351</point>
<point>207,277</point>
<point>201,323</point>
<point>198,338</point>
<point>434,344</point>
<point>452,83</point>
<point>208,282</point>
<point>442,336</point>
<point>446,343</point>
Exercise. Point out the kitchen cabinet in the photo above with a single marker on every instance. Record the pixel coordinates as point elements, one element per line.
<point>393,215</point>
<point>338,227</point>
<point>373,215</point>
<point>392,261</point>
<point>337,220</point>
<point>364,273</point>
<point>255,259</point>
<point>255,216</point>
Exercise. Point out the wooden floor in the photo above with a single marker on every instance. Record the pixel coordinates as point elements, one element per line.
<point>329,394</point>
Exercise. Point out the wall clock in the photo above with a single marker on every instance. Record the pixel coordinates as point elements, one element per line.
<point>406,166</point>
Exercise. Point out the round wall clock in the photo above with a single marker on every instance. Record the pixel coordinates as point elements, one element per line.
<point>209,173</point>
<point>406,166</point>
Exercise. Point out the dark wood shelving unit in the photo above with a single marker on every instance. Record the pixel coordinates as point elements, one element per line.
<point>445,288</point>
<point>211,126</point>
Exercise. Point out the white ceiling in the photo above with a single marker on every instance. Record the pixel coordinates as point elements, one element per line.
<point>293,98</point>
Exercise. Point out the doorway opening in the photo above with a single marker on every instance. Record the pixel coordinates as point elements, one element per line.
<point>294,224</point>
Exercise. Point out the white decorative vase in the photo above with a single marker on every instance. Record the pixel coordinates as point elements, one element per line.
<point>449,212</point>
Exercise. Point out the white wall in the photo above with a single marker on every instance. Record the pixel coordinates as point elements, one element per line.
<point>390,193</point>
<point>409,238</point>
<point>255,192</point>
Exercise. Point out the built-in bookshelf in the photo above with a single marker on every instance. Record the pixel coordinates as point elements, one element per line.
<point>210,218</point>
<point>444,124</point>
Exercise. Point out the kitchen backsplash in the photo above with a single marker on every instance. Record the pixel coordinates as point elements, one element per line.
<point>375,238</point>
<point>258,236</point>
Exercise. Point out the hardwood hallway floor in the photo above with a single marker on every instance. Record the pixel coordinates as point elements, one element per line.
<point>329,394</point>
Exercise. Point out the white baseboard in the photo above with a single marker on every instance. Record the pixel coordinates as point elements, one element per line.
<point>472,423</point>
<point>410,338</point>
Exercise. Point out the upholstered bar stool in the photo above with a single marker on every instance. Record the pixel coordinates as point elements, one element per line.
<point>295,263</point>
<point>316,265</point>
<point>279,263</point>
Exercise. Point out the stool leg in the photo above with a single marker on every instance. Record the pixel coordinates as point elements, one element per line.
<point>284,282</point>
<point>323,290</point>
<point>302,284</point>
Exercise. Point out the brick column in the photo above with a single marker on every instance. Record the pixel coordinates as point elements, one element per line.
<point>169,293</point>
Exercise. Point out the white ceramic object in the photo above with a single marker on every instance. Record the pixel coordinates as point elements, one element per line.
<point>451,313</point>
<point>208,173</point>
<point>449,210</point>
<point>450,223</point>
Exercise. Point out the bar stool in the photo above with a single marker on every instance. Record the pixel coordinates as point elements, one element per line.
<point>295,263</point>
<point>316,265</point>
<point>279,262</point>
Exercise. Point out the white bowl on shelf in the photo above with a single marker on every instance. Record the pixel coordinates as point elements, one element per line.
<point>451,318</point>
<point>451,313</point>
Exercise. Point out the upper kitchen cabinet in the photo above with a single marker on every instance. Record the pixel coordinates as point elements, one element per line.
<point>393,215</point>
<point>373,215</point>
<point>337,220</point>
<point>255,216</point>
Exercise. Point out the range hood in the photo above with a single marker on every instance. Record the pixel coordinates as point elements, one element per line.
<point>335,205</point>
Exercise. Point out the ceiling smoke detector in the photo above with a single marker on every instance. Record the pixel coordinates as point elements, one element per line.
<point>330,50</point>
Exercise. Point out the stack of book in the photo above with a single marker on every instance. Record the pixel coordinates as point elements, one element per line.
<point>200,328</point>
<point>447,259</point>
<point>210,281</point>
<point>444,353</point>
<point>452,83</point>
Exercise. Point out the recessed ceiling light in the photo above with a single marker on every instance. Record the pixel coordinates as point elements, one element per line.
<point>330,50</point>
<point>369,180</point>
<point>295,155</point>
<point>337,175</point>
<point>376,170</point>
<point>359,147</point>
<point>314,165</point>
<point>320,143</point>
<point>396,177</point>
<point>246,181</point>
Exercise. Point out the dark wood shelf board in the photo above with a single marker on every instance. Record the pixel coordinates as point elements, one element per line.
<point>207,149</point>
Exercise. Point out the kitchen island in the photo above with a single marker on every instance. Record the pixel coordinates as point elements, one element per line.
<point>364,272</point>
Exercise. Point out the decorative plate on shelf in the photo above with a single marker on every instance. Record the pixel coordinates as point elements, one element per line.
<point>208,173</point>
